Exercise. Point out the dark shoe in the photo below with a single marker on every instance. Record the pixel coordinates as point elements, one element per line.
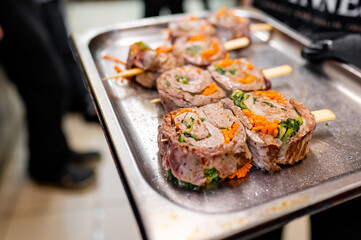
<point>72,176</point>
<point>84,157</point>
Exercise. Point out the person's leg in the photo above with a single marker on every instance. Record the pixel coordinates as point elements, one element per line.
<point>52,16</point>
<point>32,64</point>
<point>176,6</point>
<point>152,7</point>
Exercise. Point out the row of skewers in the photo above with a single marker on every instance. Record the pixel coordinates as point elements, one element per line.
<point>205,135</point>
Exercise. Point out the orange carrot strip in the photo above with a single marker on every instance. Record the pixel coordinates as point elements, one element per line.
<point>118,69</point>
<point>272,95</point>
<point>229,133</point>
<point>221,12</point>
<point>114,59</point>
<point>210,89</point>
<point>183,110</point>
<point>197,38</point>
<point>163,49</point>
<point>211,52</point>
<point>242,172</point>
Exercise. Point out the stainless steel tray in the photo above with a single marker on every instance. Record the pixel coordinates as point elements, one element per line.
<point>329,175</point>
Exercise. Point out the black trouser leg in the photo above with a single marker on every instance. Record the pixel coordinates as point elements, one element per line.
<point>51,13</point>
<point>32,63</point>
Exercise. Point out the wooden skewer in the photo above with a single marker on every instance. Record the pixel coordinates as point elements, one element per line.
<point>261,27</point>
<point>323,115</point>
<point>229,45</point>
<point>155,100</point>
<point>269,73</point>
<point>236,43</point>
<point>164,140</point>
<point>277,71</point>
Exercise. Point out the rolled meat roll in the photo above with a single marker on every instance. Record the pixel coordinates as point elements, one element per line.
<point>187,86</point>
<point>201,145</point>
<point>154,62</point>
<point>228,25</point>
<point>201,50</point>
<point>278,130</point>
<point>238,74</point>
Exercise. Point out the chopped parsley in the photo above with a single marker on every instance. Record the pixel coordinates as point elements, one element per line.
<point>255,100</point>
<point>187,134</point>
<point>203,119</point>
<point>194,50</point>
<point>289,128</point>
<point>182,79</point>
<point>142,46</point>
<point>175,181</point>
<point>220,70</point>
<point>180,138</point>
<point>211,175</point>
<point>294,108</point>
<point>238,98</point>
<point>327,124</point>
<point>232,71</point>
<point>209,135</point>
<point>269,104</point>
<point>167,83</point>
<point>284,109</point>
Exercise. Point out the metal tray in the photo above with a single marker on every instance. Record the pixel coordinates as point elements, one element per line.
<point>330,174</point>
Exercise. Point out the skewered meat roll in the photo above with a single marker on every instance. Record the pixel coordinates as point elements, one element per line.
<point>190,27</point>
<point>153,61</point>
<point>278,130</point>
<point>203,144</point>
<point>238,74</point>
<point>230,26</point>
<point>187,86</point>
<point>201,50</point>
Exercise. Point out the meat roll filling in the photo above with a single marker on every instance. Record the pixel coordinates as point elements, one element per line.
<point>195,142</point>
<point>201,50</point>
<point>187,86</point>
<point>230,26</point>
<point>153,61</point>
<point>278,130</point>
<point>238,74</point>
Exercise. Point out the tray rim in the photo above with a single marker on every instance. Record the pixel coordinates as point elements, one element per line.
<point>243,223</point>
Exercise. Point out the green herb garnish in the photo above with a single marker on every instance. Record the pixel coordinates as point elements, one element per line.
<point>142,46</point>
<point>187,134</point>
<point>269,104</point>
<point>182,184</point>
<point>284,109</point>
<point>194,50</point>
<point>255,100</point>
<point>327,124</point>
<point>238,98</point>
<point>209,135</point>
<point>232,71</point>
<point>167,83</point>
<point>182,79</point>
<point>294,108</point>
<point>203,119</point>
<point>220,70</point>
<point>289,128</point>
<point>180,138</point>
<point>211,175</point>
